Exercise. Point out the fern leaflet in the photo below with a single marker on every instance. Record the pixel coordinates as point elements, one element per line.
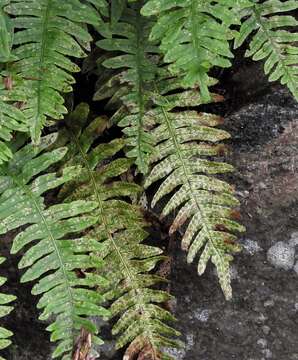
<point>53,254</point>
<point>120,230</point>
<point>5,309</point>
<point>270,41</point>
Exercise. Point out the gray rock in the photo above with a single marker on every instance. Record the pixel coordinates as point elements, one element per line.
<point>269,303</point>
<point>190,340</point>
<point>296,268</point>
<point>267,353</point>
<point>251,246</point>
<point>262,343</point>
<point>202,315</point>
<point>177,354</point>
<point>266,329</point>
<point>294,239</point>
<point>281,255</point>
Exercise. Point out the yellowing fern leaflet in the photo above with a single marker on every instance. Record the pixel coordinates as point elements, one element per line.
<point>119,228</point>
<point>55,247</point>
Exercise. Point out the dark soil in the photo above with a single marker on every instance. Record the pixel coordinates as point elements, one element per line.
<point>261,321</point>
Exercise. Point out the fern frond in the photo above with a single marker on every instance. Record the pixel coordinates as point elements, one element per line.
<point>185,141</point>
<point>272,40</point>
<point>129,36</point>
<point>55,250</point>
<point>49,32</point>
<point>120,230</point>
<point>194,37</point>
<point>5,309</point>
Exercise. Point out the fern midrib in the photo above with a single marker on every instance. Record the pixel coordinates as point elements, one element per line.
<point>139,54</point>
<point>44,221</point>
<point>194,32</point>
<point>41,61</point>
<point>186,174</point>
<point>123,260</point>
<point>265,29</point>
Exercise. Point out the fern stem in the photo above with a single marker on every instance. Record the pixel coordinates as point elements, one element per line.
<point>35,134</point>
<point>140,52</point>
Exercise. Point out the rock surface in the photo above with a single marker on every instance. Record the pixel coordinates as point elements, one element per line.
<point>281,255</point>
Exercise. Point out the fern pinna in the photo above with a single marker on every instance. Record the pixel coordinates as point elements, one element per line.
<point>135,70</point>
<point>128,264</point>
<point>54,248</point>
<point>271,42</point>
<point>5,309</point>
<point>48,33</point>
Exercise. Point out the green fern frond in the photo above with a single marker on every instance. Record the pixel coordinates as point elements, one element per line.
<point>49,32</point>
<point>120,230</point>
<point>129,37</point>
<point>5,309</point>
<point>185,141</point>
<point>194,37</point>
<point>272,41</point>
<point>55,250</point>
